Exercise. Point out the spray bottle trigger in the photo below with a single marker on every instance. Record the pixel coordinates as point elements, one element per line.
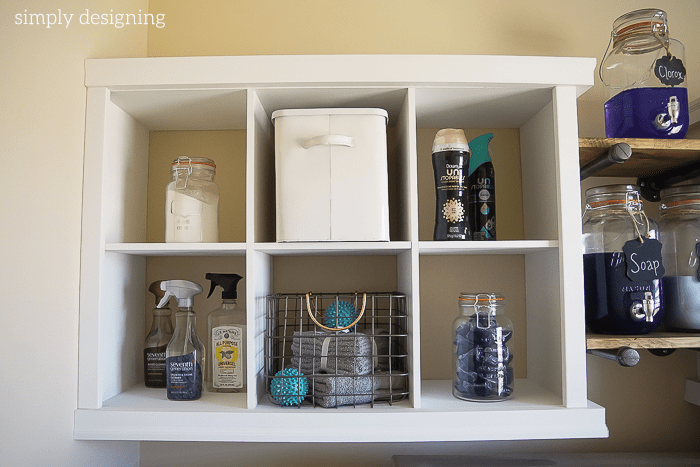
<point>211,289</point>
<point>166,298</point>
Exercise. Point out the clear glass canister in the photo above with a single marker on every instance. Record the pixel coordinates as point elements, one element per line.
<point>679,224</point>
<point>192,201</point>
<point>644,74</point>
<point>616,304</point>
<point>481,359</point>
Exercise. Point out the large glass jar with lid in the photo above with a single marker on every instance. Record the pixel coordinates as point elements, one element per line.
<point>481,359</point>
<point>679,224</point>
<point>192,201</point>
<point>645,79</point>
<point>615,303</point>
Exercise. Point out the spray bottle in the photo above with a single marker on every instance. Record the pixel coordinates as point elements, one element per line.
<point>154,374</point>
<point>226,334</point>
<point>482,189</point>
<point>184,357</point>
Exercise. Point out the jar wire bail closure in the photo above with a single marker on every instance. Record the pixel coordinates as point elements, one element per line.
<point>181,170</point>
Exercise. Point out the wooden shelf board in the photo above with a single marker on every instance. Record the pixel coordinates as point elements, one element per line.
<point>657,340</point>
<point>649,156</point>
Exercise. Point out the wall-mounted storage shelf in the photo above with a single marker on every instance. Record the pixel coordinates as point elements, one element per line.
<point>655,340</point>
<point>649,157</point>
<point>128,99</point>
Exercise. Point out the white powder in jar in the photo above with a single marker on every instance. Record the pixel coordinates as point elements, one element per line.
<point>189,219</point>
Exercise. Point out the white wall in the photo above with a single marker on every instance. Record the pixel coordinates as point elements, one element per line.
<point>42,121</point>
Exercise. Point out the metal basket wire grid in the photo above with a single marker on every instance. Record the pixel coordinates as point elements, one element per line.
<point>351,349</point>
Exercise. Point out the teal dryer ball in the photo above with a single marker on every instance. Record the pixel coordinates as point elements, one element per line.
<point>339,314</point>
<point>289,387</point>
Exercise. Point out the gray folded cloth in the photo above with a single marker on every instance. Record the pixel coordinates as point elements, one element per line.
<point>317,352</point>
<point>334,391</point>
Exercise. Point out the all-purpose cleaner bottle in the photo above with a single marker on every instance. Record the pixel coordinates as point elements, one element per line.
<point>154,374</point>
<point>184,357</point>
<point>482,189</point>
<point>226,335</point>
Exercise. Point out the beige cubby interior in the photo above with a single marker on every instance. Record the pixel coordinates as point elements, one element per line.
<point>505,147</point>
<point>227,148</point>
<point>443,279</point>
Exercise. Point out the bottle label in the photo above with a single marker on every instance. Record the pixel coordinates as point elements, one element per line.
<point>482,210</point>
<point>227,355</point>
<point>451,210</point>
<point>184,377</point>
<point>154,366</point>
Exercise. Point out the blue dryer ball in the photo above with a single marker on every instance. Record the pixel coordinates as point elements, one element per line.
<point>289,387</point>
<point>339,314</point>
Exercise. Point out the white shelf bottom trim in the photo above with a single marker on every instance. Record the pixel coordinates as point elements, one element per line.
<point>498,247</point>
<point>146,415</point>
<point>178,249</point>
<point>333,248</point>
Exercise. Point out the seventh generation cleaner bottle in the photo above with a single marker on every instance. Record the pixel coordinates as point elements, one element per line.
<point>226,336</point>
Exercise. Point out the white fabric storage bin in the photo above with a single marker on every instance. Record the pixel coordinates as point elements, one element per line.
<point>331,174</point>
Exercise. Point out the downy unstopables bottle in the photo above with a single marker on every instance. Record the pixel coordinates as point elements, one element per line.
<point>226,336</point>
<point>450,164</point>
<point>184,357</point>
<point>154,374</point>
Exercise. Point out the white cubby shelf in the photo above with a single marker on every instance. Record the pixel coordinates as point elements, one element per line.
<point>127,99</point>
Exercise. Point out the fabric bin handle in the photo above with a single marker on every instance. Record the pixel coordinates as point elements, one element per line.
<point>329,140</point>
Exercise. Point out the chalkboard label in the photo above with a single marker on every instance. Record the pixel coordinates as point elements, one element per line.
<point>644,260</point>
<point>670,70</point>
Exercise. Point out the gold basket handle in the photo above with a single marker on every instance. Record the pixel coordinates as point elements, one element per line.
<point>313,318</point>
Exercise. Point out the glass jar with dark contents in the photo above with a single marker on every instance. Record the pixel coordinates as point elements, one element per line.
<point>679,232</point>
<point>616,304</point>
<point>481,360</point>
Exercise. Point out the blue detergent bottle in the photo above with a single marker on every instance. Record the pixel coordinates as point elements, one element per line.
<point>482,189</point>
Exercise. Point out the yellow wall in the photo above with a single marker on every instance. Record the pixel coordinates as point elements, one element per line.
<point>508,27</point>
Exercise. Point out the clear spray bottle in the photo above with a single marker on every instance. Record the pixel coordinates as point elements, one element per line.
<point>154,374</point>
<point>226,336</point>
<point>184,357</point>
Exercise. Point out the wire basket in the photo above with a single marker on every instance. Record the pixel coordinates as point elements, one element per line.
<point>338,349</point>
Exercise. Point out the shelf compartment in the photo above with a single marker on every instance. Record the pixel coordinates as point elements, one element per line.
<point>649,156</point>
<point>533,413</point>
<point>655,340</point>
<point>393,99</point>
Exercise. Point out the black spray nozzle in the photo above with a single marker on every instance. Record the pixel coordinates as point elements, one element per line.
<point>228,282</point>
